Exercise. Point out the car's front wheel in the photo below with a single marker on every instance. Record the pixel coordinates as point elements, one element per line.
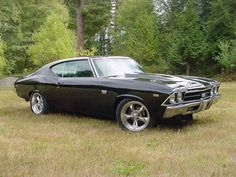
<point>38,103</point>
<point>133,115</point>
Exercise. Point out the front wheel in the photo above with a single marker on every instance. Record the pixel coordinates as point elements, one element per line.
<point>38,103</point>
<point>133,115</point>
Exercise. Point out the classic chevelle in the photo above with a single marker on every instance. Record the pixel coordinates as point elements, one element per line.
<point>115,87</point>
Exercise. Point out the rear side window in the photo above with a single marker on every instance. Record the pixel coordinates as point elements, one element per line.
<point>58,69</point>
<point>80,68</point>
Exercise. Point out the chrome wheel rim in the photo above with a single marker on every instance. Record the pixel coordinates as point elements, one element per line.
<point>135,116</point>
<point>37,103</point>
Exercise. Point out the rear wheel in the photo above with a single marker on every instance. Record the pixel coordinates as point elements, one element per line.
<point>38,103</point>
<point>133,115</point>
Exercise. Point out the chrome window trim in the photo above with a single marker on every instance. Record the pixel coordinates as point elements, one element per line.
<point>73,60</point>
<point>94,74</point>
<point>50,69</point>
<point>64,64</point>
<point>93,67</point>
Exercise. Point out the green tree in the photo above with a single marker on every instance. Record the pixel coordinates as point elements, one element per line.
<point>221,22</point>
<point>2,59</point>
<point>220,25</point>
<point>185,39</point>
<point>9,31</point>
<point>54,40</point>
<point>135,32</point>
<point>19,20</point>
<point>227,56</point>
<point>89,18</point>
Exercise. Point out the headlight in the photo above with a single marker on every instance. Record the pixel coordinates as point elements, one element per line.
<point>172,98</point>
<point>179,97</point>
<point>176,97</point>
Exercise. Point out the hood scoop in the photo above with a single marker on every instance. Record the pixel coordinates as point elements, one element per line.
<point>193,85</point>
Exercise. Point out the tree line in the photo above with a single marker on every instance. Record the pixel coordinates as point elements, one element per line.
<point>195,37</point>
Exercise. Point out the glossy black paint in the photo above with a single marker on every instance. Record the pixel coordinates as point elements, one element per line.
<point>86,94</point>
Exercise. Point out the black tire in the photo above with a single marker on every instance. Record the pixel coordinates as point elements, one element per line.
<point>38,103</point>
<point>140,124</point>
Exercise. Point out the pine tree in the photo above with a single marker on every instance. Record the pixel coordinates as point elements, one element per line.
<point>185,38</point>
<point>135,31</point>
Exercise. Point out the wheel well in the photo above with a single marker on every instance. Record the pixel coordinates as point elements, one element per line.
<point>33,91</point>
<point>30,93</point>
<point>119,99</point>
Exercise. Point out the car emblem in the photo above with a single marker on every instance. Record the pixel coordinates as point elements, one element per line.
<point>156,95</point>
<point>104,92</point>
<point>203,95</point>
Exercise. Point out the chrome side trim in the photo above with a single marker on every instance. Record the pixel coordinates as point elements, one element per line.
<point>163,104</point>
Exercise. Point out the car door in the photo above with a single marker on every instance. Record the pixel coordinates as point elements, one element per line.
<point>77,88</point>
<point>107,94</point>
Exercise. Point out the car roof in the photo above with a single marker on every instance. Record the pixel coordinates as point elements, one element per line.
<point>108,57</point>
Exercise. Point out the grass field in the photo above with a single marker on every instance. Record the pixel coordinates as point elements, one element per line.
<point>71,145</point>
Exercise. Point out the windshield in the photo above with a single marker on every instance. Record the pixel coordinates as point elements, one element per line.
<point>116,66</point>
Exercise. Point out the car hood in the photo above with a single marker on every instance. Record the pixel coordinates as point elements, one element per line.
<point>188,82</point>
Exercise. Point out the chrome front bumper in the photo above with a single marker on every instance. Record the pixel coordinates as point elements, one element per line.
<point>190,108</point>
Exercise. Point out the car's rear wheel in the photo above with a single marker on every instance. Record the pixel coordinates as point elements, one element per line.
<point>38,103</point>
<point>133,115</point>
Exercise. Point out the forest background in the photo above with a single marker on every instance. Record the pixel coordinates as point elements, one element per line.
<point>193,37</point>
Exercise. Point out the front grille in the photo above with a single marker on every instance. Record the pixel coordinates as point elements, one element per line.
<point>197,95</point>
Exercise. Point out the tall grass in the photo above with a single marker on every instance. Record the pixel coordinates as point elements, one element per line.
<point>58,145</point>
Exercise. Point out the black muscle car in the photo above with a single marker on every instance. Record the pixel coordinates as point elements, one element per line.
<point>115,87</point>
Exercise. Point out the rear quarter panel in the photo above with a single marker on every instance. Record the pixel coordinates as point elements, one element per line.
<point>34,83</point>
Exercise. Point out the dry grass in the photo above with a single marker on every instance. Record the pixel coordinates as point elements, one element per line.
<point>68,145</point>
